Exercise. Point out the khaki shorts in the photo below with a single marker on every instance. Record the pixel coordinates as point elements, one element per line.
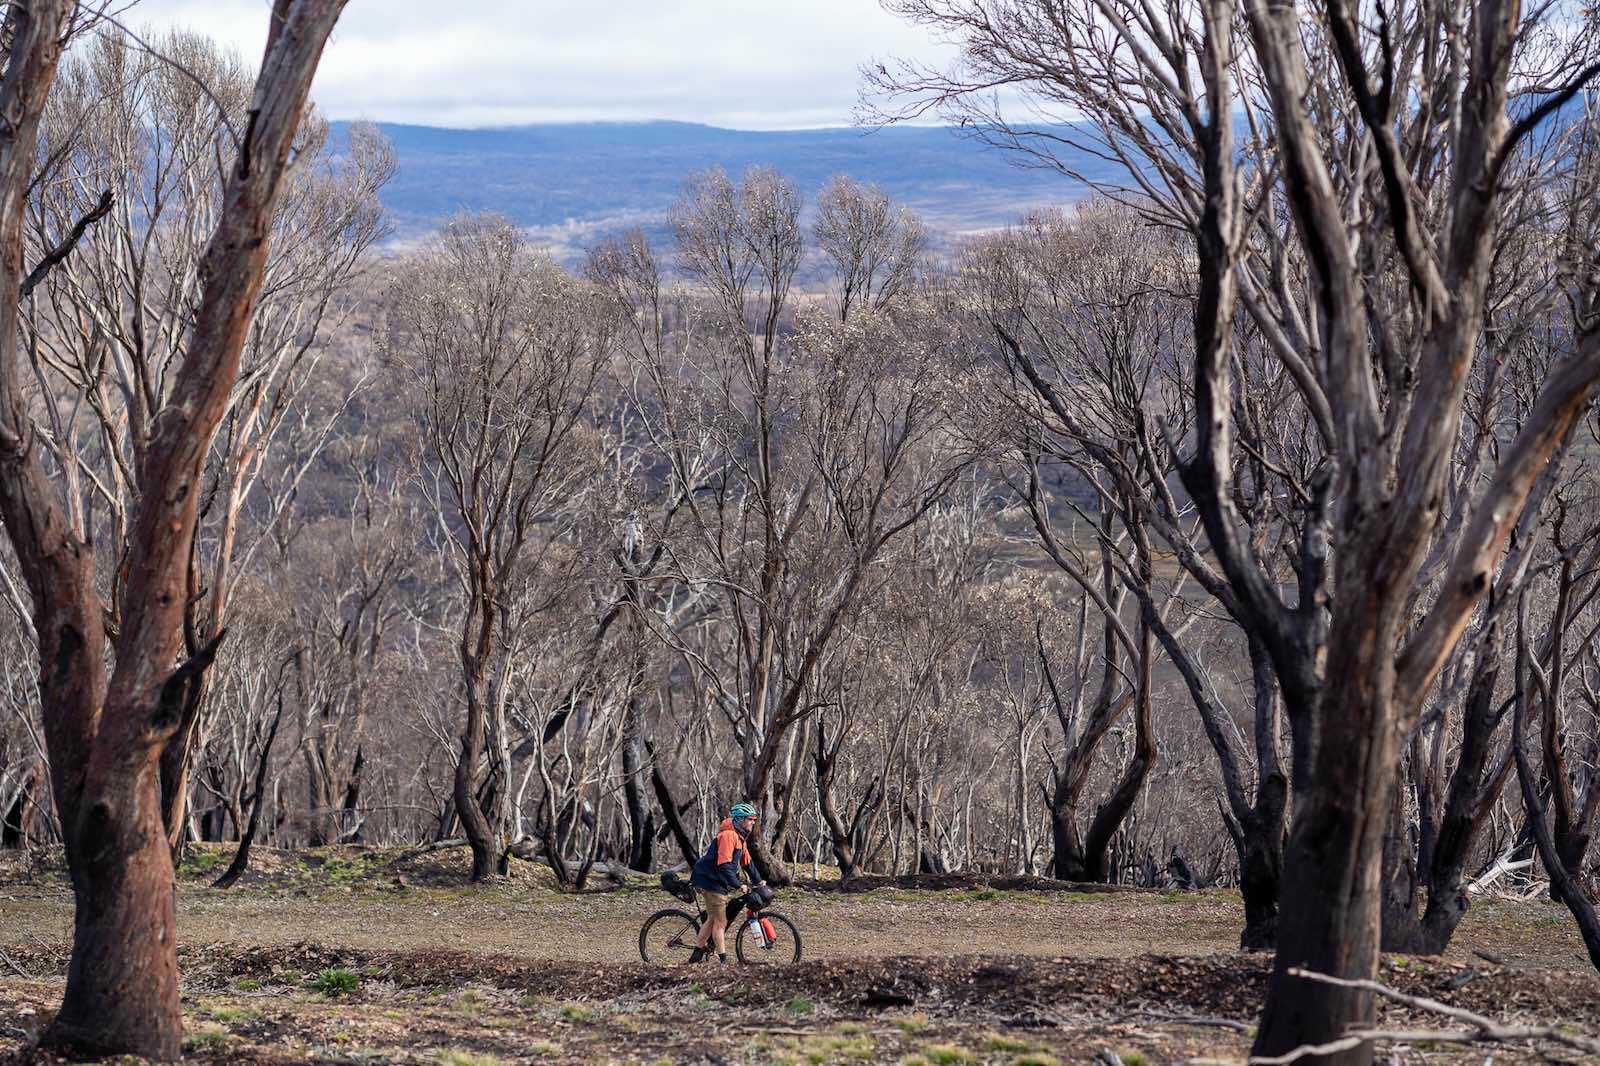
<point>713,902</point>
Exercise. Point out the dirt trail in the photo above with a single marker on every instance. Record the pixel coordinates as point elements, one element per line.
<point>605,928</point>
<point>370,900</point>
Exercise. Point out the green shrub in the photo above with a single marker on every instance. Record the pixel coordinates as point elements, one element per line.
<point>202,862</point>
<point>336,981</point>
<point>349,872</point>
<point>800,1005</point>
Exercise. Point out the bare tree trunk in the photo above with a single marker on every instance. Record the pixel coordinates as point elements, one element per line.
<point>641,819</point>
<point>178,753</point>
<point>241,856</point>
<point>1402,891</point>
<point>838,835</point>
<point>14,821</point>
<point>479,796</point>
<point>794,761</point>
<point>1260,854</point>
<point>767,863</point>
<point>1474,788</point>
<point>122,981</point>
<point>1080,856</point>
<point>825,759</point>
<point>480,835</point>
<point>1563,885</point>
<point>1331,887</point>
<point>1265,821</point>
<point>553,838</point>
<point>105,735</point>
<point>1109,818</point>
<point>669,808</point>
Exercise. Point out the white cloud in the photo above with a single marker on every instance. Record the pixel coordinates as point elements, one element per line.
<point>752,64</point>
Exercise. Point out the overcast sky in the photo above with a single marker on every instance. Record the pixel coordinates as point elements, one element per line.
<point>748,64</point>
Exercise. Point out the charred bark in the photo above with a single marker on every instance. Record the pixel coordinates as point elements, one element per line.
<point>1088,856</point>
<point>14,822</point>
<point>241,856</point>
<point>1563,885</point>
<point>669,808</point>
<point>641,819</point>
<point>478,795</point>
<point>1422,917</point>
<point>825,760</point>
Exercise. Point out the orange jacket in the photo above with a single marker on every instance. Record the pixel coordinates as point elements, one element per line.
<point>718,868</point>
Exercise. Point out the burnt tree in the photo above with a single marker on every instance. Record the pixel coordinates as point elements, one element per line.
<point>108,718</point>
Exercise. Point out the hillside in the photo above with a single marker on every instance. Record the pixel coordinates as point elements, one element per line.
<point>572,183</point>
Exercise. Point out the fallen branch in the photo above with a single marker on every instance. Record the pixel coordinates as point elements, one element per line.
<point>9,961</point>
<point>428,849</point>
<point>1484,1030</point>
<point>1494,873</point>
<point>1332,1047</point>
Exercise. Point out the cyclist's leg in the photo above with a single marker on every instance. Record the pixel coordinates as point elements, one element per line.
<point>704,936</point>
<point>713,934</point>
<point>718,921</point>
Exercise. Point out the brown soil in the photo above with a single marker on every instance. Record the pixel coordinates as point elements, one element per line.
<point>968,972</point>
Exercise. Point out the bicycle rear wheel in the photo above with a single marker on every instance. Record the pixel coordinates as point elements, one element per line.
<point>668,937</point>
<point>784,950</point>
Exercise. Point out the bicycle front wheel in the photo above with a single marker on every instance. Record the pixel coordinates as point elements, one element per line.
<point>668,937</point>
<point>784,949</point>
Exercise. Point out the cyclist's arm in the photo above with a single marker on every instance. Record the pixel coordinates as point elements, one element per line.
<point>749,877</point>
<point>727,868</point>
<point>752,879</point>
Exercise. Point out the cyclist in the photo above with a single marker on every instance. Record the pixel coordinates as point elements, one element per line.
<point>716,879</point>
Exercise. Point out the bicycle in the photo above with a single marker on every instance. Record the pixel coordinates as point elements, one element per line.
<point>669,935</point>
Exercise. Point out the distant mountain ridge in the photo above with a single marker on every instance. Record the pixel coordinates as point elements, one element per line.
<point>571,184</point>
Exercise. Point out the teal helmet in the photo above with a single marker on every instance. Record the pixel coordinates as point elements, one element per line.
<point>742,810</point>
